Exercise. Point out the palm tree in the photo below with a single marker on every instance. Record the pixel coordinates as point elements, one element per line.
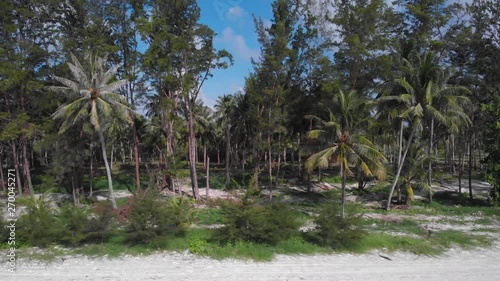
<point>225,107</point>
<point>425,99</point>
<point>91,98</point>
<point>349,148</point>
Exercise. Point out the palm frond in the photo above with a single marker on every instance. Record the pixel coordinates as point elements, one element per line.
<point>94,116</point>
<point>113,86</point>
<point>108,75</point>
<point>314,134</point>
<point>320,159</point>
<point>74,86</point>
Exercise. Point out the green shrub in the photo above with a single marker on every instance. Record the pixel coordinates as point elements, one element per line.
<point>81,225</point>
<point>39,226</point>
<point>337,232</point>
<point>246,221</point>
<point>74,221</point>
<point>151,218</point>
<point>200,247</point>
<point>4,233</point>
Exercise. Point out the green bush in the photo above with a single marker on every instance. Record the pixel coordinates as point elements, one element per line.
<point>151,218</point>
<point>246,221</point>
<point>337,232</point>
<point>39,226</point>
<point>4,233</point>
<point>81,225</point>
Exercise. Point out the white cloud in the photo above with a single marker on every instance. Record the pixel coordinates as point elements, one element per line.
<point>206,100</point>
<point>237,45</point>
<point>235,12</point>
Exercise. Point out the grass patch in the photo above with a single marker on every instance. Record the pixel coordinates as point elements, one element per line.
<point>297,245</point>
<point>485,229</point>
<point>373,241</point>
<point>437,208</point>
<point>209,216</point>
<point>407,226</point>
<point>449,238</point>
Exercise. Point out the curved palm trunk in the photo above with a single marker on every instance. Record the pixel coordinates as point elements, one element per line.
<point>108,170</point>
<point>400,166</point>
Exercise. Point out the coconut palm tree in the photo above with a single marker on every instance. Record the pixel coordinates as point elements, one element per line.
<point>349,148</point>
<point>225,107</point>
<point>425,99</point>
<point>91,99</point>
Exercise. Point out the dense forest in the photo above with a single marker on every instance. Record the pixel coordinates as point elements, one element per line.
<point>361,88</point>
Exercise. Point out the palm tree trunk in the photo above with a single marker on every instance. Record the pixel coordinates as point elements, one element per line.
<point>399,155</point>
<point>136,159</point>
<point>400,167</point>
<point>429,179</point>
<point>91,168</point>
<point>108,169</point>
<point>112,155</point>
<point>205,155</point>
<point>342,199</point>
<point>460,171</point>
<point>298,156</point>
<point>228,156</point>
<point>207,167</point>
<point>470,169</point>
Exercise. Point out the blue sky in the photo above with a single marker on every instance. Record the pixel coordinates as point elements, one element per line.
<point>232,21</point>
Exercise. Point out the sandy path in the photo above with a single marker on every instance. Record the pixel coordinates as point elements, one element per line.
<point>454,265</point>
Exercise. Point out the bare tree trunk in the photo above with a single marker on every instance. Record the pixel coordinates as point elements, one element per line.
<point>460,171</point>
<point>91,168</point>
<point>207,167</point>
<point>429,180</point>
<point>470,168</point>
<point>400,150</point>
<point>205,155</point>
<point>192,156</point>
<point>453,148</point>
<point>26,166</point>
<point>270,168</point>
<point>108,169</point>
<point>112,156</point>
<point>299,156</point>
<point>16,167</point>
<point>73,187</point>
<point>228,156</point>
<point>2,177</point>
<point>136,158</point>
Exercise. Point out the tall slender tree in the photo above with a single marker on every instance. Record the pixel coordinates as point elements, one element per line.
<point>91,99</point>
<point>350,147</point>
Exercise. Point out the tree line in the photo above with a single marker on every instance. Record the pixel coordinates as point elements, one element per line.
<point>361,87</point>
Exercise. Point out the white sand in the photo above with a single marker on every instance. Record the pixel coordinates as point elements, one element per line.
<point>479,264</point>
